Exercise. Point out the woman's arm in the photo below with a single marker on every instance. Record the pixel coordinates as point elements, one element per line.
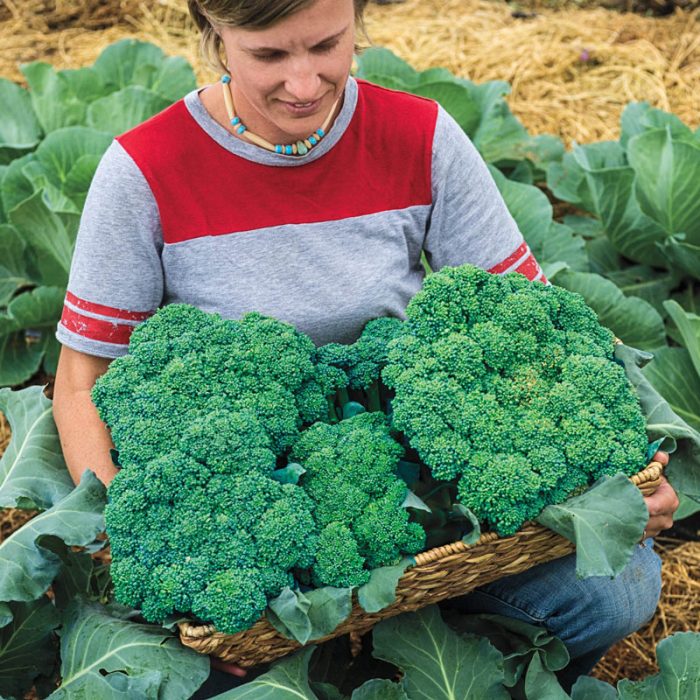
<point>85,439</point>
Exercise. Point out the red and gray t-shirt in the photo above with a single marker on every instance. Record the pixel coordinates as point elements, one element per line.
<point>182,211</point>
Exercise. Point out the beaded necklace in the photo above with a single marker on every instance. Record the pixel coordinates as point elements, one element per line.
<point>300,148</point>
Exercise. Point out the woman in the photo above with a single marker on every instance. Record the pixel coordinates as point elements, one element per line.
<point>292,189</point>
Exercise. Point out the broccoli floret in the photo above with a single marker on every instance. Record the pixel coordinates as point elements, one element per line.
<point>338,562</point>
<point>383,531</point>
<point>233,600</point>
<point>352,480</point>
<point>363,360</point>
<point>184,365</point>
<point>510,387</point>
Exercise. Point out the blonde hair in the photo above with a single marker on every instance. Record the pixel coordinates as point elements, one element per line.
<point>248,14</point>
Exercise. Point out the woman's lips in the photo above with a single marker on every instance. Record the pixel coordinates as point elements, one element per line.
<point>302,109</point>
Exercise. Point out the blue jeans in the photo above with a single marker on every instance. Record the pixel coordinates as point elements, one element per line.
<point>588,615</point>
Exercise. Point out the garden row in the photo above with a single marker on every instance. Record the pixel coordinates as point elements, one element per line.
<point>630,244</point>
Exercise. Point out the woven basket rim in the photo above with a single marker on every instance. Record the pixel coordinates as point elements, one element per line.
<point>648,477</point>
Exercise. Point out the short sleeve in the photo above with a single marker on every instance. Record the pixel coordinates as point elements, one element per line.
<point>469,221</point>
<point>116,276</point>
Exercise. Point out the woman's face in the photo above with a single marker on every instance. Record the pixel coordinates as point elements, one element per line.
<point>285,78</point>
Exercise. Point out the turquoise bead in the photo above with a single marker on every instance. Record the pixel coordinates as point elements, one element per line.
<point>288,150</point>
<point>321,133</point>
<point>240,129</point>
<point>236,120</point>
<point>278,149</point>
<point>302,150</point>
<point>225,79</point>
<point>312,141</point>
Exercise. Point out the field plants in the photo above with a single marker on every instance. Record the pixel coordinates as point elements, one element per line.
<point>306,421</point>
<point>52,137</point>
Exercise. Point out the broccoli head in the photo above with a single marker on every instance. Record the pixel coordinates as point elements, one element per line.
<point>511,387</point>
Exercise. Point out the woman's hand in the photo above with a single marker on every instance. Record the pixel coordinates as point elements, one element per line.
<point>228,668</point>
<point>662,504</point>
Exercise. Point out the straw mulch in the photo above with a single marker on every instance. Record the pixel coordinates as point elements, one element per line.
<point>678,611</point>
<point>572,69</point>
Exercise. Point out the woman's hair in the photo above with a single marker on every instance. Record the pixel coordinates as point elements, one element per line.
<point>248,14</point>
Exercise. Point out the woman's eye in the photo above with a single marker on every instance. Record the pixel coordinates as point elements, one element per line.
<point>325,48</point>
<point>275,56</point>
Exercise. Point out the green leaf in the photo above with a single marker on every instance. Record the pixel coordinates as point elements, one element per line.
<point>654,286</point>
<point>47,238</point>
<point>455,99</point>
<point>611,197</point>
<point>125,109</point>
<point>679,677</point>
<point>632,319</point>
<point>289,474</point>
<point>32,470</point>
<point>121,63</point>
<point>542,683</point>
<point>15,186</point>
<point>680,438</point>
<point>13,273</point>
<point>172,78</point>
<point>53,97</point>
<point>639,117</point>
<point>378,61</point>
<point>689,326</point>
<point>685,256</point>
<point>674,376</point>
<point>286,680</point>
<point>25,331</point>
<point>438,663</point>
<point>380,591</point>
<point>605,523</point>
<point>518,641</point>
<point>550,242</point>
<point>19,128</point>
<point>589,688</point>
<point>69,158</point>
<point>379,689</point>
<point>311,615</point>
<point>105,656</point>
<point>26,645</point>
<point>668,181</point>
<point>26,568</point>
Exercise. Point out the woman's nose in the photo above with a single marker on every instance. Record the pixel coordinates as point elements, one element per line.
<point>303,82</point>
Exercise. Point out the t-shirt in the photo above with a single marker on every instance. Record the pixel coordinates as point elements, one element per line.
<point>182,211</point>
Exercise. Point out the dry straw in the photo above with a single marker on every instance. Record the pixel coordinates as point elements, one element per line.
<point>678,611</point>
<point>572,69</point>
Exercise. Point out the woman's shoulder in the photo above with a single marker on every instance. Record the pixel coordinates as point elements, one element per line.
<point>397,103</point>
<point>393,116</point>
<point>160,138</point>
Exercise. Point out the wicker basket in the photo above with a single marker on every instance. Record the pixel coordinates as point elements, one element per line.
<point>438,574</point>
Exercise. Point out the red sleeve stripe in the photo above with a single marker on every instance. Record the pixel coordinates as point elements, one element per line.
<point>529,268</point>
<point>109,311</point>
<point>96,328</point>
<point>511,262</point>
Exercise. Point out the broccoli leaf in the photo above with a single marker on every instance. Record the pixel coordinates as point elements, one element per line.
<point>679,679</point>
<point>26,647</point>
<point>286,680</point>
<point>26,567</point>
<point>32,470</point>
<point>380,591</point>
<point>437,662</point>
<point>682,440</point>
<point>106,656</point>
<point>379,689</point>
<point>311,615</point>
<point>518,641</point>
<point>605,523</point>
<point>589,688</point>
